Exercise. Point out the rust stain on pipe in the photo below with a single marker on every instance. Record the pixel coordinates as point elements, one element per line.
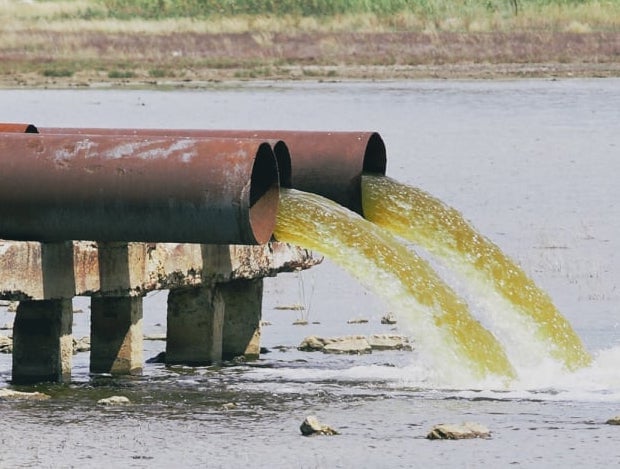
<point>137,188</point>
<point>326,163</point>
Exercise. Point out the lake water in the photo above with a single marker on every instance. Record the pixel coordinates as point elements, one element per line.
<point>532,164</point>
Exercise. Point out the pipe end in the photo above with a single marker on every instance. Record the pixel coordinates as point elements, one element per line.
<point>375,156</point>
<point>264,194</point>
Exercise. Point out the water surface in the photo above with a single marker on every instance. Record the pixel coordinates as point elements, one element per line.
<point>531,164</point>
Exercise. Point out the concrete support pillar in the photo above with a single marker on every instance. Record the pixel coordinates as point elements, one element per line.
<point>116,318</point>
<point>116,335</point>
<point>42,341</point>
<point>194,327</point>
<point>243,302</point>
<point>208,324</point>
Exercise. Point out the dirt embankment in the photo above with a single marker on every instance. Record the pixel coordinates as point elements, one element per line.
<point>49,58</point>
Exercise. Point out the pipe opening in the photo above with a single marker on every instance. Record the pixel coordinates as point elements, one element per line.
<point>264,194</point>
<point>18,128</point>
<point>283,157</point>
<point>375,159</point>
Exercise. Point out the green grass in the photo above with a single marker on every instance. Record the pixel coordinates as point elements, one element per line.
<point>371,15</point>
<point>201,9</point>
<point>298,16</point>
<point>121,74</point>
<point>57,72</point>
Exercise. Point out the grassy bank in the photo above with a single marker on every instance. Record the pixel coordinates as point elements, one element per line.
<point>219,16</point>
<point>81,42</point>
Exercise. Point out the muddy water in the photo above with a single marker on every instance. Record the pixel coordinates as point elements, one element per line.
<point>531,164</point>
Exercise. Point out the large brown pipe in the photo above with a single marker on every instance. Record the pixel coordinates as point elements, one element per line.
<point>326,163</point>
<point>57,187</point>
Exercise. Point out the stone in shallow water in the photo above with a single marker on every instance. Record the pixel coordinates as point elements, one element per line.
<point>311,344</point>
<point>389,318</point>
<point>114,400</point>
<point>352,345</point>
<point>458,432</point>
<point>614,420</point>
<point>81,345</point>
<point>358,321</point>
<point>355,344</point>
<point>311,426</point>
<point>389,342</point>
<point>6,394</point>
<point>6,344</point>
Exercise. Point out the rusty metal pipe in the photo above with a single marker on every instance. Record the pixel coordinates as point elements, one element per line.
<point>326,163</point>
<point>57,187</point>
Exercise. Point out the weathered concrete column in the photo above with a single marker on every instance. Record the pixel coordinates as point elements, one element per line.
<point>242,314</point>
<point>116,316</point>
<point>195,326</point>
<point>42,340</point>
<point>116,335</point>
<point>209,323</point>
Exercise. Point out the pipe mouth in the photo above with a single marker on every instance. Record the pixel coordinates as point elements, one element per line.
<point>264,194</point>
<point>18,128</point>
<point>375,157</point>
<point>283,157</point>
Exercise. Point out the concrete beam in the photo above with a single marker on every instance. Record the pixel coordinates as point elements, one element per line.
<point>151,267</point>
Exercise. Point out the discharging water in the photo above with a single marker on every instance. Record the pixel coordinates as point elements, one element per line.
<point>453,342</point>
<point>533,164</point>
<point>442,231</point>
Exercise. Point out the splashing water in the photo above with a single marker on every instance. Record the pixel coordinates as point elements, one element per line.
<point>442,326</point>
<point>442,231</point>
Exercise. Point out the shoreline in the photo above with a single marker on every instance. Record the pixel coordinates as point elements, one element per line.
<point>91,59</point>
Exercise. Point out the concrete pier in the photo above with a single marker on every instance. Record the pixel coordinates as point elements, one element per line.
<point>213,323</point>
<point>241,335</point>
<point>42,341</point>
<point>195,326</point>
<point>214,303</point>
<point>116,313</point>
<point>42,336</point>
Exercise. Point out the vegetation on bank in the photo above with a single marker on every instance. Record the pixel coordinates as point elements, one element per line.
<point>152,41</point>
<point>320,15</point>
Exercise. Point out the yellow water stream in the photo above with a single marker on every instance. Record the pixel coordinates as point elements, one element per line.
<point>442,322</point>
<point>426,221</point>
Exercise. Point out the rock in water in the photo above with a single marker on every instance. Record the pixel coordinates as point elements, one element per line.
<point>352,345</point>
<point>6,394</point>
<point>114,400</point>
<point>159,358</point>
<point>614,420</point>
<point>81,345</point>
<point>458,432</point>
<point>311,344</point>
<point>6,344</point>
<point>312,426</point>
<point>389,318</point>
<point>389,342</point>
<point>358,321</point>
